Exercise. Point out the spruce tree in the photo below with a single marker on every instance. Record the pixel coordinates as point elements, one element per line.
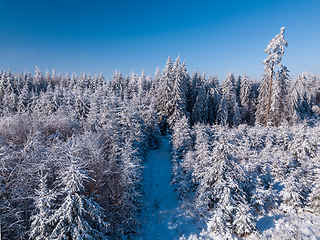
<point>164,94</point>
<point>200,108</point>
<point>179,108</point>
<point>79,216</point>
<point>229,93</point>
<point>40,227</point>
<point>246,100</point>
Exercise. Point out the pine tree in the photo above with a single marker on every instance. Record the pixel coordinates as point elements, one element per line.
<point>213,82</point>
<point>181,137</point>
<point>219,223</point>
<point>164,95</point>
<point>119,84</point>
<point>291,195</point>
<point>219,190</point>
<point>143,83</point>
<point>181,144</point>
<point>259,194</point>
<point>284,84</point>
<point>156,79</point>
<point>40,227</point>
<point>200,108</point>
<point>245,100</point>
<point>83,81</point>
<point>94,118</point>
<point>78,217</point>
<point>229,93</point>
<point>223,112</point>
<point>179,105</point>
<point>39,82</point>
<point>193,87</point>
<point>130,182</point>
<point>24,100</point>
<point>3,84</point>
<point>10,103</point>
<point>202,147</point>
<point>293,108</point>
<point>151,121</point>
<point>275,51</point>
<point>243,222</point>
<point>213,99</point>
<point>236,117</point>
<point>11,192</point>
<point>279,96</point>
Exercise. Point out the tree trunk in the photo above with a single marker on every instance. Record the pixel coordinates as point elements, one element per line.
<point>270,90</point>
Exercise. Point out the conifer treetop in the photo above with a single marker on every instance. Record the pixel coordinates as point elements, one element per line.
<point>275,50</point>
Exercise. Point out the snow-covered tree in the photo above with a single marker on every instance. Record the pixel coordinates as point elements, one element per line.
<point>279,96</point>
<point>130,201</point>
<point>223,112</point>
<point>181,144</point>
<point>119,84</point>
<point>236,115</point>
<point>229,93</point>
<point>291,195</point>
<point>24,100</point>
<point>244,222</point>
<point>179,107</point>
<point>40,227</point>
<point>200,108</point>
<point>164,94</point>
<point>78,216</point>
<point>275,51</point>
<point>193,87</point>
<point>246,100</point>
<point>181,137</point>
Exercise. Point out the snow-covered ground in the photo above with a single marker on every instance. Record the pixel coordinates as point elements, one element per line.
<point>162,216</point>
<point>158,212</point>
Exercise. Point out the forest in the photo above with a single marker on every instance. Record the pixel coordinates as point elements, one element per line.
<point>72,149</point>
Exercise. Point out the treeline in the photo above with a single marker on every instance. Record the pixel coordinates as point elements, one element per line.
<point>238,100</point>
<point>175,93</point>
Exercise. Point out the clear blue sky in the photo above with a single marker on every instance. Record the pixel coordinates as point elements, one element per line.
<point>101,36</point>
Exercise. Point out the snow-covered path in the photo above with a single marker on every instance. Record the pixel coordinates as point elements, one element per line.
<point>157,216</point>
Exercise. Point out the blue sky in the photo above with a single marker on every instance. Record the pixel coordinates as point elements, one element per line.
<point>215,37</point>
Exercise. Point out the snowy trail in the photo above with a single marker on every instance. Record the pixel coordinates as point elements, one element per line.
<point>158,213</point>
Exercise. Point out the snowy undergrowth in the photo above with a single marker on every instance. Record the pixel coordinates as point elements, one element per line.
<point>301,226</point>
<point>249,182</point>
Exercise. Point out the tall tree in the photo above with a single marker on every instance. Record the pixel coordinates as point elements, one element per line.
<point>179,107</point>
<point>164,95</point>
<point>275,51</point>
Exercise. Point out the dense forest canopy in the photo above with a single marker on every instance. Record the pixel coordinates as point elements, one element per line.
<point>72,146</point>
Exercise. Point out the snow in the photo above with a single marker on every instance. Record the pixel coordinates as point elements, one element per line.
<point>157,216</point>
<point>162,215</point>
<point>301,226</point>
